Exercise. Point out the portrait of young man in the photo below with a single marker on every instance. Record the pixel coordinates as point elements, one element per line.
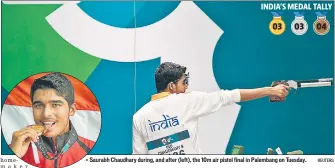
<point>53,141</point>
<point>168,124</point>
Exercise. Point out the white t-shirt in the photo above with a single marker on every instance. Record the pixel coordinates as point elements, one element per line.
<point>169,124</point>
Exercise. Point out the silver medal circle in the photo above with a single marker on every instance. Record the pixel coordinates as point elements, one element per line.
<point>302,26</point>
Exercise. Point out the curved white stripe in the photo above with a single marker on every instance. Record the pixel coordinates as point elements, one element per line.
<point>117,44</point>
<point>86,123</point>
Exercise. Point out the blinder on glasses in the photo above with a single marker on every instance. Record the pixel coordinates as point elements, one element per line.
<point>187,76</point>
<point>186,80</point>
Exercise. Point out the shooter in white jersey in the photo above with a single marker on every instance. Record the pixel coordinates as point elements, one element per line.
<point>168,124</point>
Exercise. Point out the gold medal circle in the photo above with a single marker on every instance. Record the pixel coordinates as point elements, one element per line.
<point>277,26</point>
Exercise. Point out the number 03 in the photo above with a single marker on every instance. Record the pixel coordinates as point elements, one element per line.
<point>277,26</point>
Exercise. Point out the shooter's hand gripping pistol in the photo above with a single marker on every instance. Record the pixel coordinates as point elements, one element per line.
<point>295,84</point>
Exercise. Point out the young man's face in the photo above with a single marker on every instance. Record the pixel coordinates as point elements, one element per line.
<point>181,85</point>
<point>52,111</point>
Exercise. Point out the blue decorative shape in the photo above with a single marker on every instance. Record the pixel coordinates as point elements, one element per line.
<point>5,150</point>
<point>121,14</point>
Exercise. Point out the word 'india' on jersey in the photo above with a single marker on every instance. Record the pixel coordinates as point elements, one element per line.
<point>169,123</point>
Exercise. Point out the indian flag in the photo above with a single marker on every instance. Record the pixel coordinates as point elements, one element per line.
<point>17,112</point>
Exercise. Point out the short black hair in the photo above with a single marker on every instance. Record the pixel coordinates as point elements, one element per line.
<point>56,81</point>
<point>168,72</point>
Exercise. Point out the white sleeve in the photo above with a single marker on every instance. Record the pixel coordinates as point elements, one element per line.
<point>204,103</point>
<point>139,145</point>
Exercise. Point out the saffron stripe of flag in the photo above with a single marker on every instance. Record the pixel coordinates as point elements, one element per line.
<point>84,98</point>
